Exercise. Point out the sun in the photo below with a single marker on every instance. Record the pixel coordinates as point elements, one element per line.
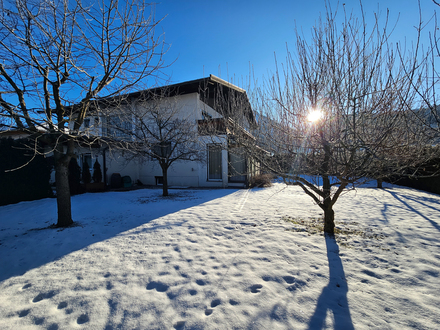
<point>314,116</point>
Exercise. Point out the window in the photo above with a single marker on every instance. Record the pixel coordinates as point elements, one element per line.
<point>159,180</point>
<point>162,150</point>
<point>214,162</point>
<point>87,123</point>
<point>119,128</point>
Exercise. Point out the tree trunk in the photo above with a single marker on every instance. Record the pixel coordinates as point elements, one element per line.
<point>327,206</point>
<point>379,183</point>
<point>165,181</point>
<point>62,186</point>
<point>329,220</point>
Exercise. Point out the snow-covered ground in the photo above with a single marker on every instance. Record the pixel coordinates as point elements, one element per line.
<point>222,259</point>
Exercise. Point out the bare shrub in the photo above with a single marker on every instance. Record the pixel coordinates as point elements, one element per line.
<point>261,181</point>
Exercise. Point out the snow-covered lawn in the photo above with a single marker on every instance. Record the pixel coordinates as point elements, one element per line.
<point>222,259</point>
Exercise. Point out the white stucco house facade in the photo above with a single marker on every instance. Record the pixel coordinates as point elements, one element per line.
<point>210,104</point>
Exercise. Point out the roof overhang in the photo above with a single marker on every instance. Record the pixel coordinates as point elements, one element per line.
<point>208,88</point>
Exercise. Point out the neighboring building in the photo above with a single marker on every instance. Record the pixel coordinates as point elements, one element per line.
<point>211,103</point>
<point>14,134</point>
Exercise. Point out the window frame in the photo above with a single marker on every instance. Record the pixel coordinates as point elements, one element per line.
<point>211,147</point>
<point>119,129</point>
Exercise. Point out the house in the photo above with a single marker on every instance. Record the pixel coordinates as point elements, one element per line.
<point>219,114</point>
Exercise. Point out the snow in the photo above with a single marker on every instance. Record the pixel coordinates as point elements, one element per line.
<point>222,259</point>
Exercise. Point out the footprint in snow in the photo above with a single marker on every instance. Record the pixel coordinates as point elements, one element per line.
<point>42,296</point>
<point>159,286</point>
<point>295,285</point>
<point>84,318</point>
<point>53,326</point>
<point>268,278</point>
<point>214,303</point>
<point>200,282</point>
<point>289,279</point>
<point>179,325</point>
<point>371,273</point>
<point>23,313</point>
<point>62,305</point>
<point>256,288</point>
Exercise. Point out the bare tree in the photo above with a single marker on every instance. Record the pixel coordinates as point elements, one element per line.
<point>59,56</point>
<point>424,75</point>
<point>158,128</point>
<point>334,114</point>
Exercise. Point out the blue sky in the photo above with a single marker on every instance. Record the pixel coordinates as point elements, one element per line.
<point>226,37</point>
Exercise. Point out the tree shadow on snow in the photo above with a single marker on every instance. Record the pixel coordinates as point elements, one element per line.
<point>401,198</point>
<point>33,242</point>
<point>334,296</point>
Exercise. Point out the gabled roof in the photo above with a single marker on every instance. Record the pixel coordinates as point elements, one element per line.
<point>216,92</point>
<point>193,86</point>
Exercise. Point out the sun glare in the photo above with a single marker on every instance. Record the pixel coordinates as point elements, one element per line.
<point>314,116</point>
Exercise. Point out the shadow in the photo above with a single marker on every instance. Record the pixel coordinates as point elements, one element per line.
<point>416,200</point>
<point>384,212</point>
<point>28,239</point>
<point>334,296</point>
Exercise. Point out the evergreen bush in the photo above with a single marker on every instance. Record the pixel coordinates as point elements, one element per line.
<point>30,175</point>
<point>97,174</point>
<point>86,177</point>
<point>74,177</point>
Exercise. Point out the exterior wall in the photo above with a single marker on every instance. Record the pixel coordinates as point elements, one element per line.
<point>95,126</point>
<point>117,163</point>
<point>186,173</point>
<point>180,173</point>
<point>114,163</point>
<point>206,141</point>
